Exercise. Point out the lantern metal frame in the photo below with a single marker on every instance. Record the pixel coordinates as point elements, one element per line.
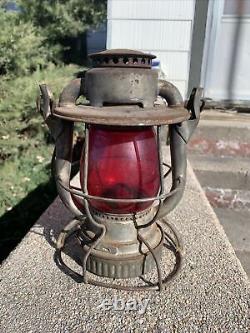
<point>182,122</point>
<point>83,193</point>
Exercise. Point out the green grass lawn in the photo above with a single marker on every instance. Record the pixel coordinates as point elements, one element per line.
<point>25,153</point>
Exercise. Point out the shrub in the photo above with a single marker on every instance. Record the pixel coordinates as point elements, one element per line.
<point>25,149</point>
<point>64,18</point>
<point>22,49</point>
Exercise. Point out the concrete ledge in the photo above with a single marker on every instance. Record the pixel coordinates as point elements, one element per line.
<point>222,172</point>
<point>222,134</point>
<point>210,295</point>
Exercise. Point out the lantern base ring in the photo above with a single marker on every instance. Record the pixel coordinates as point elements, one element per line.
<point>106,264</point>
<point>121,253</point>
<point>171,242</point>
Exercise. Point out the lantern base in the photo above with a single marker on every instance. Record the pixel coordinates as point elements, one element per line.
<point>125,250</point>
<point>122,267</point>
<point>170,242</point>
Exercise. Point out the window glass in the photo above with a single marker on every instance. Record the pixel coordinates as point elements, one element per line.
<point>237,7</point>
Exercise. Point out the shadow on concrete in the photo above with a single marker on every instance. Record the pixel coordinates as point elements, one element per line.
<point>16,223</point>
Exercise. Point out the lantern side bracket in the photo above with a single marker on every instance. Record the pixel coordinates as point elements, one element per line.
<point>179,135</point>
<point>62,133</point>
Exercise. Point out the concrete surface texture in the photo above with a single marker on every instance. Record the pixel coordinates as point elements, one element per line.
<point>219,153</point>
<point>236,224</point>
<point>222,134</point>
<point>211,294</point>
<point>222,171</point>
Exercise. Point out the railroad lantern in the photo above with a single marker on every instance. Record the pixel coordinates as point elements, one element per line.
<point>121,194</point>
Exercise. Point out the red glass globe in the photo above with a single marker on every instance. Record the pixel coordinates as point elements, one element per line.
<point>123,164</point>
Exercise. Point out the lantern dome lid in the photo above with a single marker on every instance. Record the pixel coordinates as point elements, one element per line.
<point>123,115</point>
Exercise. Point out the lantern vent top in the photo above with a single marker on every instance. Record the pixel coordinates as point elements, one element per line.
<point>122,58</point>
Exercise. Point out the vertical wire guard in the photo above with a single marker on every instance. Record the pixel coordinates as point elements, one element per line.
<point>158,131</point>
<point>160,165</point>
<point>86,204</point>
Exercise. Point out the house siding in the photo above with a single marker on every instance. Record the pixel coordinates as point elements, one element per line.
<point>161,27</point>
<point>230,70</point>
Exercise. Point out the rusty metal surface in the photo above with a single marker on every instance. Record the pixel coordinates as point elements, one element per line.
<point>62,132</point>
<point>179,136</point>
<point>172,242</point>
<point>123,115</point>
<point>120,254</point>
<point>170,93</point>
<point>122,96</point>
<point>123,266</point>
<point>122,58</point>
<point>72,92</point>
<point>121,86</point>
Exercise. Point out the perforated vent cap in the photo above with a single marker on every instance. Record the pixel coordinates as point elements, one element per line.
<point>122,58</point>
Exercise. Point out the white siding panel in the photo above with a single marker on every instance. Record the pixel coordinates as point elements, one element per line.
<point>227,60</point>
<point>149,35</point>
<point>151,9</point>
<point>175,65</point>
